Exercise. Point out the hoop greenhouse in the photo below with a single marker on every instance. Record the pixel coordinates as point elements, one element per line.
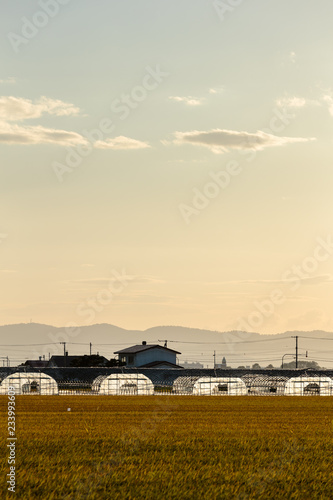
<point>210,386</point>
<point>123,384</point>
<point>29,383</point>
<point>309,386</point>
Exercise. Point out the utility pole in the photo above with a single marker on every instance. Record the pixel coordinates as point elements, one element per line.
<point>296,337</point>
<point>214,359</point>
<point>65,360</point>
<point>90,347</point>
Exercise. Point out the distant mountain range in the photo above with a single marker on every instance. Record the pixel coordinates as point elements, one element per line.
<point>29,341</point>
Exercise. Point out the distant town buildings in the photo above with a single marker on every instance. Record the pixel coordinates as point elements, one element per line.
<point>192,366</point>
<point>223,365</point>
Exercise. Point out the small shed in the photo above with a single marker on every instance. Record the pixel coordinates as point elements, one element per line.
<point>215,386</point>
<point>117,384</point>
<point>316,385</point>
<point>29,383</point>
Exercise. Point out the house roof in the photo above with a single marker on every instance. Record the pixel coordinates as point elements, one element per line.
<point>156,364</point>
<point>36,363</point>
<point>62,361</point>
<point>67,361</point>
<point>144,347</point>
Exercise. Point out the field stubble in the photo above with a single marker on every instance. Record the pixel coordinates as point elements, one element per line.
<point>164,447</point>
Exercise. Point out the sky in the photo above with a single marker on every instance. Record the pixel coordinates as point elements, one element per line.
<point>167,163</point>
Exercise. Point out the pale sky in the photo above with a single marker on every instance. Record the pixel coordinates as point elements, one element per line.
<point>167,163</point>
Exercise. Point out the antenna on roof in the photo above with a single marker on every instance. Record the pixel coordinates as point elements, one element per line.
<point>165,342</point>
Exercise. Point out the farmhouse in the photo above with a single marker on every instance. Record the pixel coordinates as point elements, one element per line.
<point>149,356</point>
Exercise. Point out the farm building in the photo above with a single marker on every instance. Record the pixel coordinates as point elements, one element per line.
<point>29,383</point>
<point>118,384</point>
<point>149,356</point>
<point>215,386</point>
<point>309,386</point>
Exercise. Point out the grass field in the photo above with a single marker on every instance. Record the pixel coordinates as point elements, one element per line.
<point>169,447</point>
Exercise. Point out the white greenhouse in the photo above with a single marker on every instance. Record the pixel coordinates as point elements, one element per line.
<point>309,386</point>
<point>184,384</point>
<point>214,386</point>
<point>29,383</point>
<point>124,384</point>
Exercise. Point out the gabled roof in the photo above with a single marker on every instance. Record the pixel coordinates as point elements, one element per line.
<point>67,361</point>
<point>144,347</point>
<point>36,363</point>
<point>62,361</point>
<point>156,364</point>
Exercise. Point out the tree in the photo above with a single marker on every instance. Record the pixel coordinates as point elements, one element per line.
<point>115,362</point>
<point>256,366</point>
<point>85,361</point>
<point>301,364</point>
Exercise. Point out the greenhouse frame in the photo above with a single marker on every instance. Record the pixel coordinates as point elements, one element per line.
<point>123,384</point>
<point>217,386</point>
<point>309,386</point>
<point>29,383</point>
<point>265,385</point>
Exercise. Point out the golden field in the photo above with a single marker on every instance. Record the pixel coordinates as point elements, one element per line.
<point>170,447</point>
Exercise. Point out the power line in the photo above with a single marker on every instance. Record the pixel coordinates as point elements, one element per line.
<point>116,344</point>
<point>315,338</point>
<point>224,343</point>
<point>231,341</point>
<point>27,345</point>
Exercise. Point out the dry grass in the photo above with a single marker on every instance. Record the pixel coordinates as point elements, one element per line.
<point>169,447</point>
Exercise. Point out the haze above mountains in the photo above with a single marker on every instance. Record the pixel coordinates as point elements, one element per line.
<point>29,341</point>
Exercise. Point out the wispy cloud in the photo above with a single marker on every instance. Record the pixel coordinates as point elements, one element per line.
<point>121,142</point>
<point>216,90</point>
<point>292,57</point>
<point>18,109</point>
<point>220,141</point>
<point>296,102</point>
<point>291,102</point>
<point>105,281</point>
<point>325,99</point>
<point>328,99</point>
<point>188,100</point>
<point>11,134</point>
<point>15,134</point>
<point>309,280</point>
<point>11,80</point>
